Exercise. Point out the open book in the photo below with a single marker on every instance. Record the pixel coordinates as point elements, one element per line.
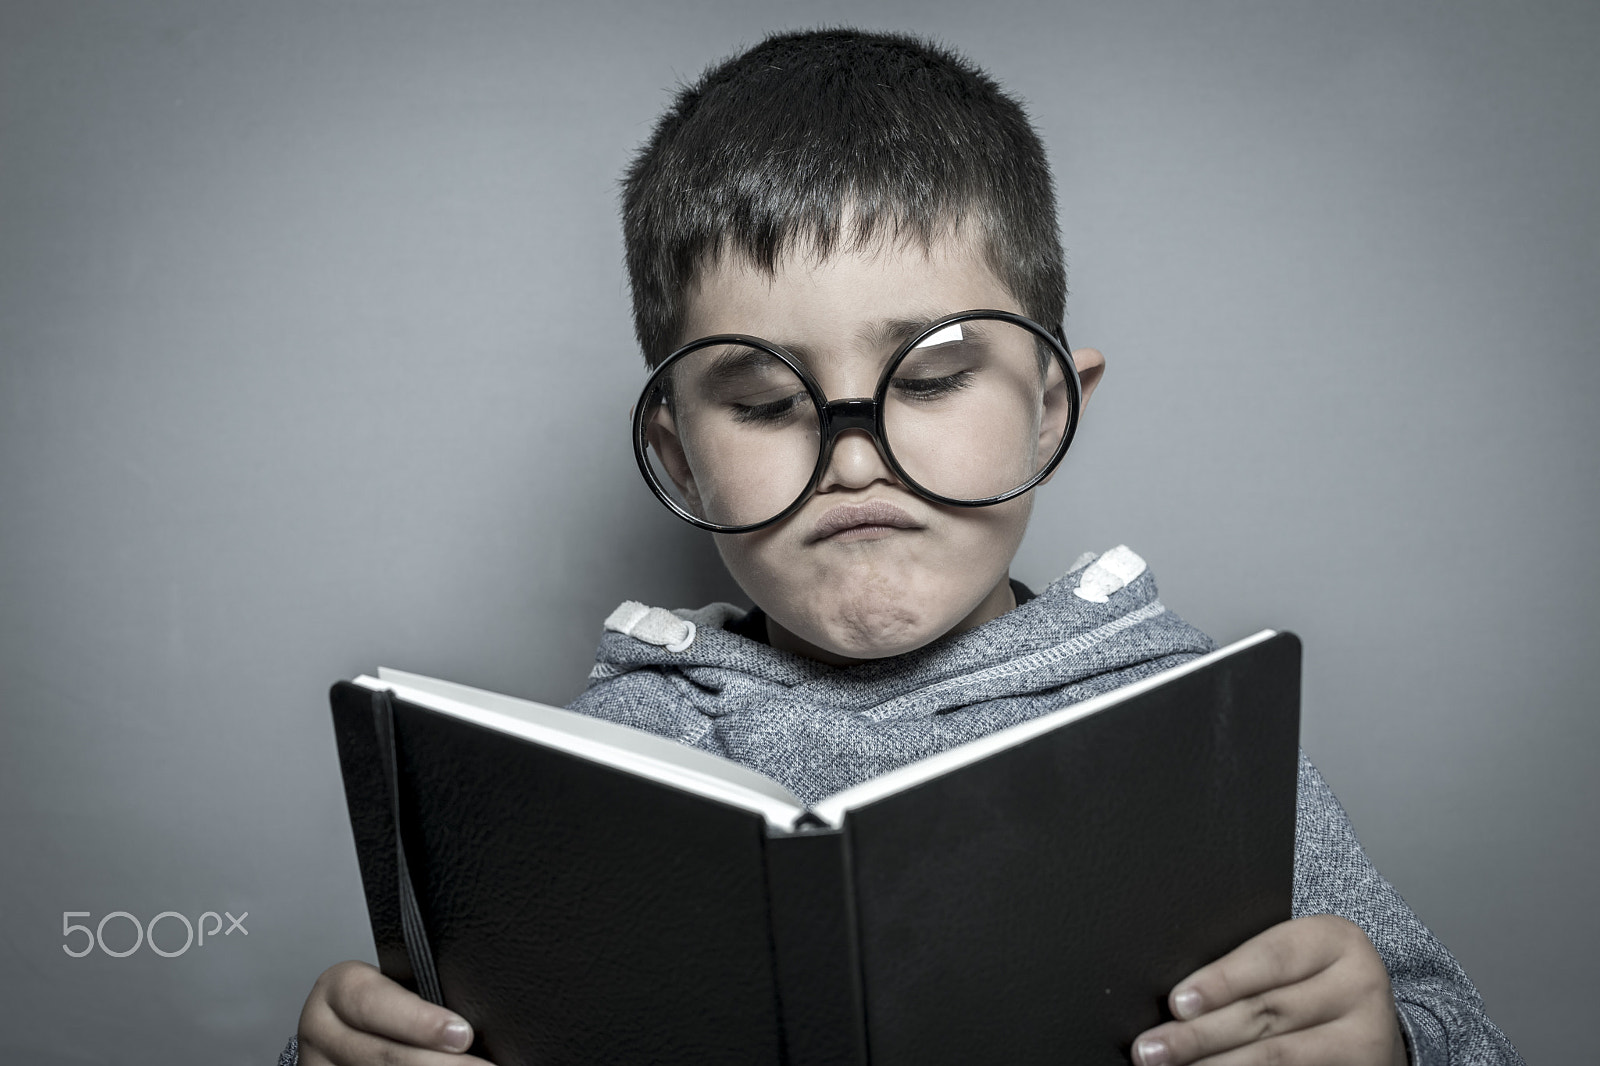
<point>585,892</point>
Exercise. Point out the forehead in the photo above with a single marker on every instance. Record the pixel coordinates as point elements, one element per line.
<point>856,301</point>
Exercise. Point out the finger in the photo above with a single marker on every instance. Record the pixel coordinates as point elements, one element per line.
<point>367,1001</point>
<point>329,1042</point>
<point>1321,998</point>
<point>1336,1043</point>
<point>1288,952</point>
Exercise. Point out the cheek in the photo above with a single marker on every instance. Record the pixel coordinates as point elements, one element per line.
<point>988,537</point>
<point>745,477</point>
<point>756,562</point>
<point>984,447</point>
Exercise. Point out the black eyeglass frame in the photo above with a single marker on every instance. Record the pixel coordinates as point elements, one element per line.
<point>839,416</point>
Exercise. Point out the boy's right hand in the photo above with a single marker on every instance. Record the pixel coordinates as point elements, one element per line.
<point>355,1016</point>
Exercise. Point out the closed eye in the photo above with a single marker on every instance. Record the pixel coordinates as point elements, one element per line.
<point>772,412</point>
<point>933,388</point>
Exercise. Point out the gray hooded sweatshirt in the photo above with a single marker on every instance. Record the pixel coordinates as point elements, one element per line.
<point>817,729</point>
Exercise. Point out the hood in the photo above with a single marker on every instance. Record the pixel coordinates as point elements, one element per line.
<point>818,729</point>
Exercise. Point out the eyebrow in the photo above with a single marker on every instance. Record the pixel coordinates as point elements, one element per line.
<point>885,334</point>
<point>734,364</point>
<point>896,331</point>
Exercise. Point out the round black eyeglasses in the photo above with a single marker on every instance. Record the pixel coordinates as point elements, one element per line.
<point>733,433</point>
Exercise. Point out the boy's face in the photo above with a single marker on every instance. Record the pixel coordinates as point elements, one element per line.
<point>891,580</point>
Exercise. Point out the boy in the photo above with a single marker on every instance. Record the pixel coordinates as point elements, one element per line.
<point>810,225</point>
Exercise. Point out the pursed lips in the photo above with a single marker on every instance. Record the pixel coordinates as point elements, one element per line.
<point>855,520</point>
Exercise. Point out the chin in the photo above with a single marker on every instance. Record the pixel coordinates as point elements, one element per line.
<point>876,629</point>
<point>879,649</point>
<point>873,602</point>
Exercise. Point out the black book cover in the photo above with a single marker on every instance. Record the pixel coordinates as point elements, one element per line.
<point>1033,905</point>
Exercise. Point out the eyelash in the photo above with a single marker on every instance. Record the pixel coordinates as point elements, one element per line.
<point>917,389</point>
<point>766,413</point>
<point>934,388</point>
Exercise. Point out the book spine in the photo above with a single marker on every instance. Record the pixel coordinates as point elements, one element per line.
<point>412,928</point>
<point>372,824</point>
<point>816,964</point>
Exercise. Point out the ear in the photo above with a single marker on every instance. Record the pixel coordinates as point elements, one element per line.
<point>1091,366</point>
<point>661,434</point>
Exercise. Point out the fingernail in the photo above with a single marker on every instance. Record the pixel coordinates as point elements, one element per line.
<point>1186,1004</point>
<point>457,1035</point>
<point>1151,1052</point>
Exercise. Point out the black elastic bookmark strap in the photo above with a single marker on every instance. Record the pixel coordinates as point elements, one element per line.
<point>410,914</point>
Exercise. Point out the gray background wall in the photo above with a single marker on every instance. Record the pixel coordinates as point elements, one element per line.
<point>315,355</point>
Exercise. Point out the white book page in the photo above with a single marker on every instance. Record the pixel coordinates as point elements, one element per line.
<point>608,743</point>
<point>833,809</point>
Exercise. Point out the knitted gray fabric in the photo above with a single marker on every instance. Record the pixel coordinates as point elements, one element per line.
<point>818,729</point>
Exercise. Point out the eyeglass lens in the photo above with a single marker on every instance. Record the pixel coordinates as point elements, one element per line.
<point>971,412</point>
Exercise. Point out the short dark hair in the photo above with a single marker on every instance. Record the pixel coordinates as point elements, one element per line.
<point>776,147</point>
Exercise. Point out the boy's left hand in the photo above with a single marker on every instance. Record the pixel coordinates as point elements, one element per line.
<point>1311,990</point>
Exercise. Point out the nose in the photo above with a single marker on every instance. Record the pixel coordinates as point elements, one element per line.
<point>855,462</point>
